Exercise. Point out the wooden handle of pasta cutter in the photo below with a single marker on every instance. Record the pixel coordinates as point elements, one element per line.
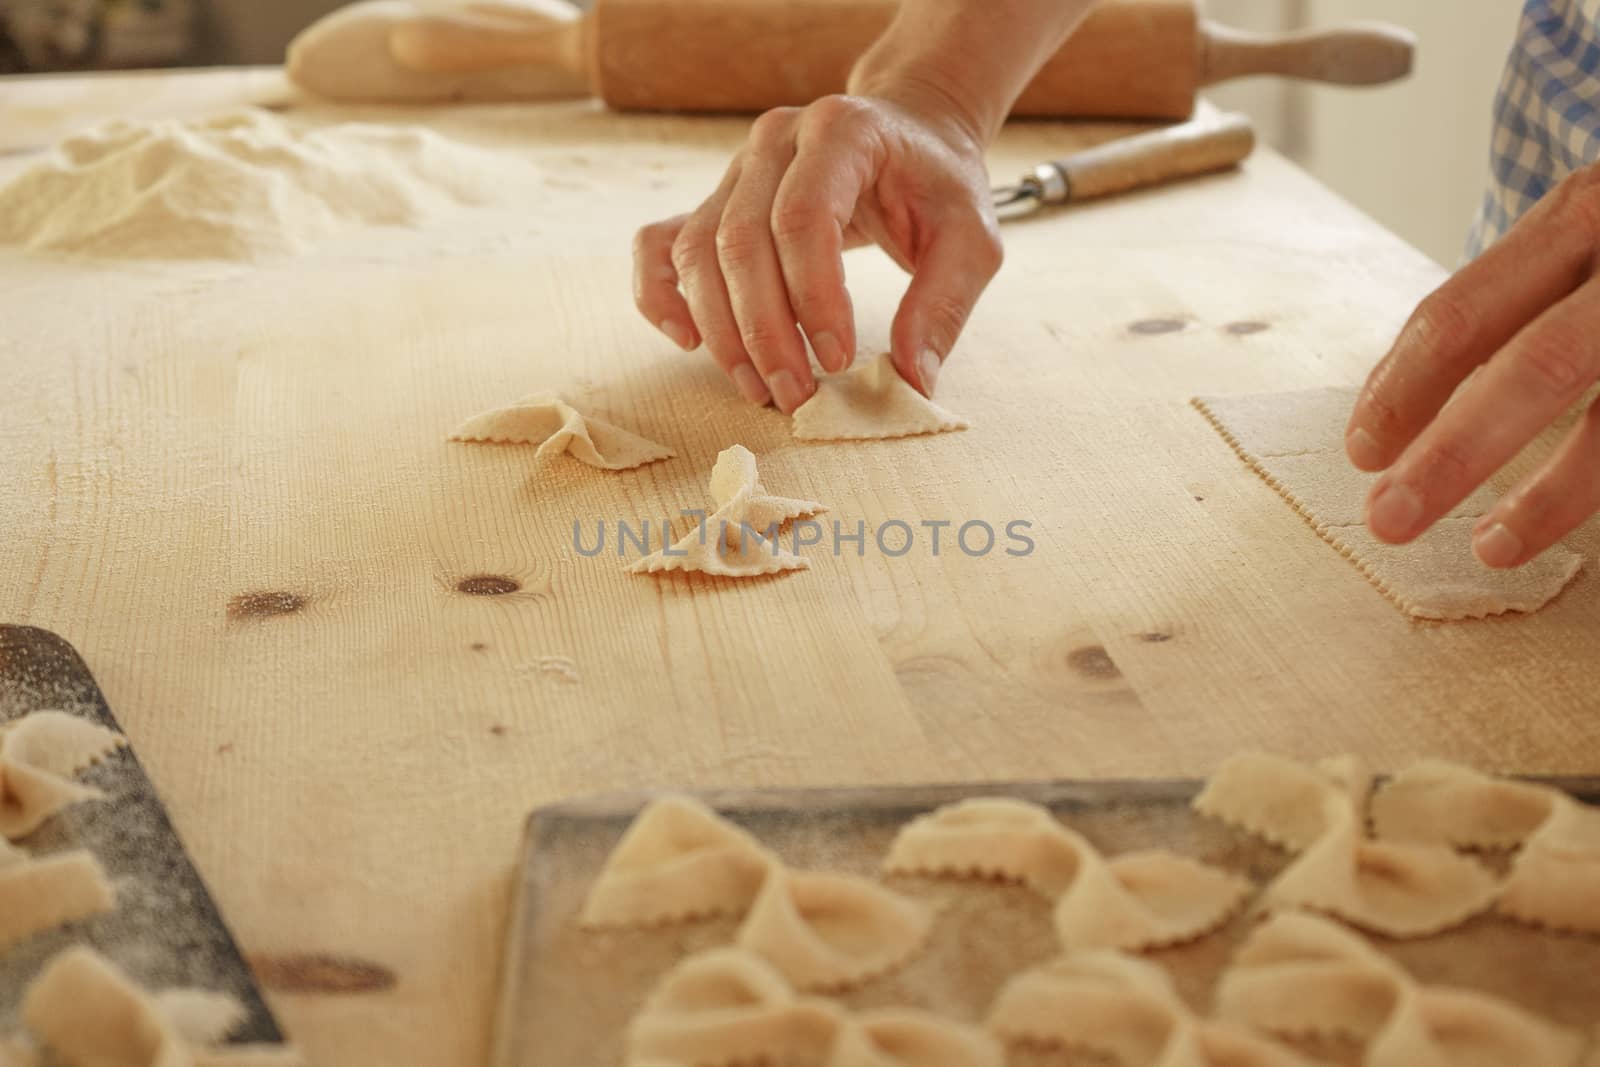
<point>1186,150</point>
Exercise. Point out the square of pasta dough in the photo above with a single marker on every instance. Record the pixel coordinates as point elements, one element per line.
<point>1327,486</point>
<point>1437,576</point>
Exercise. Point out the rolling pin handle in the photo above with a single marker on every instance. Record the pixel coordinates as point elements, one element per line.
<point>1361,53</point>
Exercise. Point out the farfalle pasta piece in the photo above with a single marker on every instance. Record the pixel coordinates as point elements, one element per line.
<point>734,477</point>
<point>38,894</point>
<point>1399,889</point>
<point>679,860</point>
<point>1119,1006</point>
<point>728,1007</point>
<point>1300,976</point>
<point>903,1038</point>
<point>990,837</point>
<point>1137,900</point>
<point>1440,803</point>
<point>868,402</point>
<point>740,538</point>
<point>832,931</point>
<point>1280,800</point>
<point>87,1013</point>
<point>1145,900</point>
<point>544,419</point>
<point>1555,879</point>
<point>39,754</point>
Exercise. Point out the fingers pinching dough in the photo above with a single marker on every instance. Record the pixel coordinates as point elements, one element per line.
<point>1299,975</point>
<point>1133,901</point>
<point>868,402</point>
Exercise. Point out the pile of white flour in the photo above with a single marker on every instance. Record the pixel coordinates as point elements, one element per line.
<point>242,186</point>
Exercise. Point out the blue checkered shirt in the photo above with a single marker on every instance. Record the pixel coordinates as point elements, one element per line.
<point>1547,112</point>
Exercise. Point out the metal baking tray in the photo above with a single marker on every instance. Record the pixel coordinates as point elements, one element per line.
<point>566,994</point>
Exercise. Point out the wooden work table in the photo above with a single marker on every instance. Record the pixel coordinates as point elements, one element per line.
<point>232,493</point>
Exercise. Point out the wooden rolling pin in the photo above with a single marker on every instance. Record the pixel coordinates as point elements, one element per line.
<point>1129,59</point>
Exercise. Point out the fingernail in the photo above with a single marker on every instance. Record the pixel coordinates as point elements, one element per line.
<point>786,392</point>
<point>1497,546</point>
<point>830,353</point>
<point>681,335</point>
<point>928,366</point>
<point>1394,512</point>
<point>1362,448</point>
<point>750,385</point>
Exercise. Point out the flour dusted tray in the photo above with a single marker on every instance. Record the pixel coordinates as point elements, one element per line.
<point>567,993</point>
<point>165,931</point>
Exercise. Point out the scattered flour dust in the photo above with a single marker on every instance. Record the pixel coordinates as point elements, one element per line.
<point>241,186</point>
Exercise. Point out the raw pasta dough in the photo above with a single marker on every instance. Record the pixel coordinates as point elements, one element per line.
<point>901,1038</point>
<point>830,931</point>
<point>739,539</point>
<point>867,402</point>
<point>1299,975</point>
<point>1133,901</point>
<point>41,894</point>
<point>1554,881</point>
<point>724,1007</point>
<point>730,1007</point>
<point>87,1013</point>
<point>1296,442</point>
<point>679,860</point>
<point>544,419</point>
<point>39,754</point>
<point>1399,889</point>
<point>1126,1008</point>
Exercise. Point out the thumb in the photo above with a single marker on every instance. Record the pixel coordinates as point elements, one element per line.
<point>950,275</point>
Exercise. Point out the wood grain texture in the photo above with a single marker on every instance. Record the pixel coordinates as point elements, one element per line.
<point>233,494</point>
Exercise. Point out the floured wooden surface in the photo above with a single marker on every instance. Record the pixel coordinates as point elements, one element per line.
<point>1295,441</point>
<point>572,991</point>
<point>338,642</point>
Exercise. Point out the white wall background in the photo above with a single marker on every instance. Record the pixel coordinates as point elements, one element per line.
<point>1414,155</point>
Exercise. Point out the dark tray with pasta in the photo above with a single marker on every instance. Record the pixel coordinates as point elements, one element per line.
<point>567,992</point>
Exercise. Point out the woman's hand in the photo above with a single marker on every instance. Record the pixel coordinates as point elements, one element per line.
<point>1526,316</point>
<point>760,262</point>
